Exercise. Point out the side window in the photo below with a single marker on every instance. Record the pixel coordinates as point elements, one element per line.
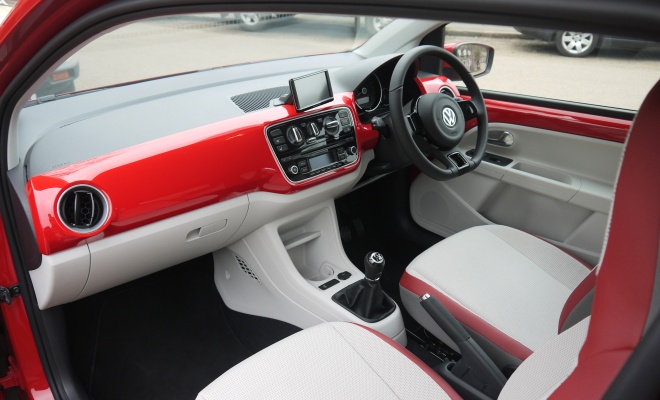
<point>579,67</point>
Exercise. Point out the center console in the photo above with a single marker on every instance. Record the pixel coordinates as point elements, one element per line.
<point>314,144</point>
<point>294,269</point>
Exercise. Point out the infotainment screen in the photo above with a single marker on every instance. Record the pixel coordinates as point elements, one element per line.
<point>320,161</point>
<point>311,90</point>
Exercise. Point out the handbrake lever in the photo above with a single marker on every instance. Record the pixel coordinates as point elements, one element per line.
<point>475,375</point>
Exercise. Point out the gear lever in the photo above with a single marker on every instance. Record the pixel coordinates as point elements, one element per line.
<point>366,298</point>
<point>374,263</point>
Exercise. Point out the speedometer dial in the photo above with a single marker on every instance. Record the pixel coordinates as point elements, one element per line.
<point>369,94</point>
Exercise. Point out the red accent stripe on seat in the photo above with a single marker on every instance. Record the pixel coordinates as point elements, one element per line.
<point>576,296</point>
<point>429,371</point>
<point>467,318</point>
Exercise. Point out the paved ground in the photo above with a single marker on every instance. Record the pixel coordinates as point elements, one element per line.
<point>617,78</point>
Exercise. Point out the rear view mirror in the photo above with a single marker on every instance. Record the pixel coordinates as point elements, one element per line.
<point>477,58</point>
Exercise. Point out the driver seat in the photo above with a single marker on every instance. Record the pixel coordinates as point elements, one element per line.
<point>512,291</point>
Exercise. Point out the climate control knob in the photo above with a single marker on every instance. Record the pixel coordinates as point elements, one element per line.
<point>313,130</point>
<point>331,125</point>
<point>294,136</point>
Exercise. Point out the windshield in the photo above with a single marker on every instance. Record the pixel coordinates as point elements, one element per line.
<point>579,67</point>
<point>165,46</point>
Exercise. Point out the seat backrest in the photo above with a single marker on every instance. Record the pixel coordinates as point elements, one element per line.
<point>627,297</point>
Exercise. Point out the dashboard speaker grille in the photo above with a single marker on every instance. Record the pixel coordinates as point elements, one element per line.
<point>258,100</point>
<point>246,268</point>
<point>83,209</point>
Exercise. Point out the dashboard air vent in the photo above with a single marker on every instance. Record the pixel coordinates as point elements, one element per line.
<point>258,100</point>
<point>446,90</point>
<point>83,209</point>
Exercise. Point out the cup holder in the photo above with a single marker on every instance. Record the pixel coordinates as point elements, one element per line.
<point>324,272</point>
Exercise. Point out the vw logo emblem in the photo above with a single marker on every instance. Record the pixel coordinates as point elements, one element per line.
<point>449,117</point>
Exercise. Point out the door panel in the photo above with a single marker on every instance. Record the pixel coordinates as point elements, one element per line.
<point>558,186</point>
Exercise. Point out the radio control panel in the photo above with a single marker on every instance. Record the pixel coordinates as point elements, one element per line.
<point>314,144</point>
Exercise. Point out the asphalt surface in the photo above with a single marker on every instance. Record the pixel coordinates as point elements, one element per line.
<point>611,77</point>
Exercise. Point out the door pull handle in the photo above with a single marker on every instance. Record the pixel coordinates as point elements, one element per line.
<point>504,140</point>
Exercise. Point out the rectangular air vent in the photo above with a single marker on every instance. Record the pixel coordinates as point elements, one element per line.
<point>260,99</point>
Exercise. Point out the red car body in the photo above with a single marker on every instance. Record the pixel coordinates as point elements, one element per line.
<point>25,33</point>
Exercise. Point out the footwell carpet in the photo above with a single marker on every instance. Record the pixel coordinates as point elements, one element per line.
<point>166,336</point>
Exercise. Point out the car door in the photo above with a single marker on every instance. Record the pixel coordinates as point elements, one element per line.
<point>552,163</point>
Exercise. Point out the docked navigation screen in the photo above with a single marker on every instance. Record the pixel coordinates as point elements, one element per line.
<point>311,90</point>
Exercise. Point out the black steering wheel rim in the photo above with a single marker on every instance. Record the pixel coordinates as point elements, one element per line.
<point>404,133</point>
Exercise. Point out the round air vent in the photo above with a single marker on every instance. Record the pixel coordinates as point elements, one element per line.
<point>446,90</point>
<point>83,208</point>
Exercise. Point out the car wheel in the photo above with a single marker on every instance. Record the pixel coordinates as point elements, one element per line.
<point>251,22</point>
<point>375,24</point>
<point>576,44</point>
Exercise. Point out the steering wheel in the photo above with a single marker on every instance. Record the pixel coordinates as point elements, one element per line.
<point>434,123</point>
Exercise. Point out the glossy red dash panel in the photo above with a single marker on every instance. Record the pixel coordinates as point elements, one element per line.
<point>435,83</point>
<point>175,174</point>
<point>577,123</point>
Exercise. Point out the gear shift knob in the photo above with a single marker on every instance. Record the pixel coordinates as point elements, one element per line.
<point>374,263</point>
<point>365,298</point>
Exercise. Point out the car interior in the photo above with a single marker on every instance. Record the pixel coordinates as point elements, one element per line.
<point>359,223</point>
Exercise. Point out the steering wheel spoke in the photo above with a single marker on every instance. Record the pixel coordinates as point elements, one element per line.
<point>423,144</point>
<point>414,124</point>
<point>412,118</point>
<point>468,108</point>
<point>455,163</point>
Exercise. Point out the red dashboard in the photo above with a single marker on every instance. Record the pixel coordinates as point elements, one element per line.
<point>178,173</point>
<point>182,172</point>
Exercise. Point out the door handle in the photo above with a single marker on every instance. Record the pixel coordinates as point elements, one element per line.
<point>505,139</point>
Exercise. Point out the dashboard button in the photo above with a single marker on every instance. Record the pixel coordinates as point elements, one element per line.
<point>293,169</point>
<point>279,140</point>
<point>304,170</point>
<point>276,132</point>
<point>282,148</point>
<point>329,284</point>
<point>302,163</point>
<point>344,121</point>
<point>344,275</point>
<point>343,113</point>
